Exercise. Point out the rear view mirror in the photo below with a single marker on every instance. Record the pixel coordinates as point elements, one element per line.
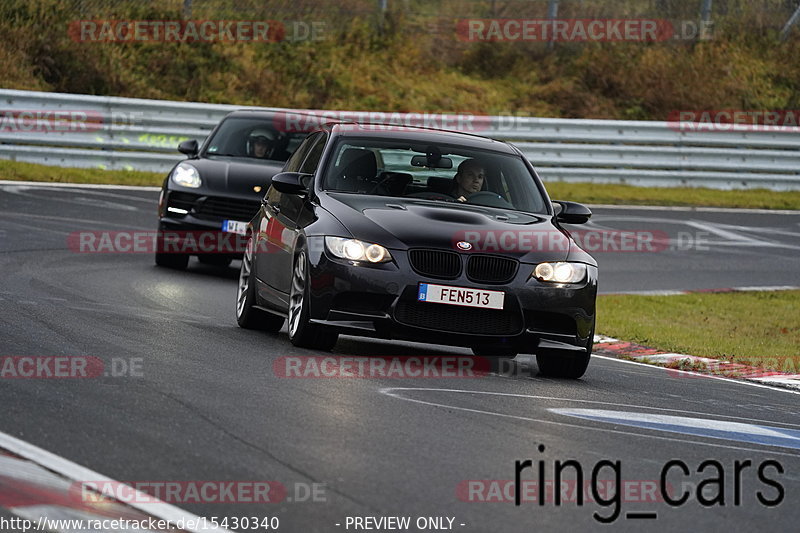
<point>431,162</point>
<point>571,212</point>
<point>188,147</point>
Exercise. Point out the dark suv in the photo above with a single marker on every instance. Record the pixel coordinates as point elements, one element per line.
<point>218,189</point>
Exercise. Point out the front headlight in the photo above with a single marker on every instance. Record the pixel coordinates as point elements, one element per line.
<point>355,250</point>
<point>186,175</point>
<point>560,272</point>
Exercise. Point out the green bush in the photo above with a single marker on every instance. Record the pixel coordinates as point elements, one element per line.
<point>411,64</point>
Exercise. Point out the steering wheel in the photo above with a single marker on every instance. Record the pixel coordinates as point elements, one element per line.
<point>430,195</point>
<point>489,199</point>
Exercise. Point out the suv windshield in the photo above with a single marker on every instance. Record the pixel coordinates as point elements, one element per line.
<point>441,172</point>
<point>255,138</point>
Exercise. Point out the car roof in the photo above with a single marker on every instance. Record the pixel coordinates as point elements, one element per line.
<point>383,130</point>
<point>417,134</point>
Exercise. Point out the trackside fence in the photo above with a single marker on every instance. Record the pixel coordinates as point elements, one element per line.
<point>113,133</point>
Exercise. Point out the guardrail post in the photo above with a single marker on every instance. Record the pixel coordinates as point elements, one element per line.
<point>705,21</point>
<point>552,13</point>
<point>383,5</point>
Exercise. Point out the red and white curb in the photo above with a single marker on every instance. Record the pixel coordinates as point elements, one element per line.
<point>35,485</point>
<point>709,291</point>
<point>691,365</point>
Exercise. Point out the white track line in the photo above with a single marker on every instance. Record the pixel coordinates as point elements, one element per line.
<point>695,374</point>
<point>697,209</point>
<point>77,472</point>
<point>80,185</point>
<point>597,206</point>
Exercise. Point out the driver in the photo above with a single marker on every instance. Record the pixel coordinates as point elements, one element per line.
<point>468,179</point>
<point>260,144</point>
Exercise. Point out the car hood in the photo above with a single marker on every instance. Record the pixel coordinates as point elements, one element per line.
<point>234,177</point>
<point>402,223</point>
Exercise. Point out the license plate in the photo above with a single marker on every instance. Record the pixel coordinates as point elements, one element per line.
<point>445,294</point>
<point>234,226</point>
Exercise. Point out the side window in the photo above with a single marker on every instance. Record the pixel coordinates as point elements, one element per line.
<point>314,155</point>
<point>294,162</point>
<point>273,196</point>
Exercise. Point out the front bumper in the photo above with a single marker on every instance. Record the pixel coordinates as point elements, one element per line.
<point>381,301</point>
<point>195,236</point>
<point>201,216</point>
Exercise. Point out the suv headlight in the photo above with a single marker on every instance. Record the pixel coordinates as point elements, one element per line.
<point>561,272</point>
<point>355,250</point>
<point>186,175</point>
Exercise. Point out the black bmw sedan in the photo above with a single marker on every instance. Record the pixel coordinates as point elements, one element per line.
<point>423,235</point>
<point>217,190</point>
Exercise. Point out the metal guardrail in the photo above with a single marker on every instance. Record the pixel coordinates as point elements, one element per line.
<point>132,133</point>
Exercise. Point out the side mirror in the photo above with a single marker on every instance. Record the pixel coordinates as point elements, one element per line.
<point>571,212</point>
<point>290,182</point>
<point>189,147</point>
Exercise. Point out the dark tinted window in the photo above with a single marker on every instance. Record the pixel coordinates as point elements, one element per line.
<point>314,154</point>
<point>295,162</point>
<point>252,138</point>
<point>411,169</point>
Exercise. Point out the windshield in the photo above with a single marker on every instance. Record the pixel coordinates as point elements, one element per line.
<point>443,173</point>
<point>253,138</point>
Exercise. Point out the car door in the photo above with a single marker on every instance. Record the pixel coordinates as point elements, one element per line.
<point>298,210</point>
<point>278,227</point>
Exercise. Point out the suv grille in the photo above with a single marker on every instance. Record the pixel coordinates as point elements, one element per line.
<point>181,200</point>
<point>227,208</point>
<point>491,268</point>
<point>459,319</point>
<point>435,263</point>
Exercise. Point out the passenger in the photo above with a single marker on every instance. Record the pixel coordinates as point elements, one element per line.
<point>468,179</point>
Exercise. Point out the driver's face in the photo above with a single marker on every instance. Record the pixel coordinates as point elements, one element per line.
<point>471,179</point>
<point>260,149</point>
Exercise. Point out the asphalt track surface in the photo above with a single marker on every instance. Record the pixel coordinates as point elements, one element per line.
<point>208,405</point>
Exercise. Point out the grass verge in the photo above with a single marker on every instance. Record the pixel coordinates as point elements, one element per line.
<point>18,171</point>
<point>693,197</point>
<point>753,328</point>
<point>576,192</point>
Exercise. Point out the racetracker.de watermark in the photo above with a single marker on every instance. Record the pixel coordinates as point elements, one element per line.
<point>487,241</point>
<point>50,121</point>
<point>179,492</point>
<point>56,121</point>
<point>526,240</point>
<point>428,366</point>
<point>694,367</point>
<point>68,367</point>
<point>569,491</point>
<point>579,30</point>
<point>303,120</point>
<point>194,31</point>
<point>198,492</point>
<point>146,242</point>
<point>730,120</point>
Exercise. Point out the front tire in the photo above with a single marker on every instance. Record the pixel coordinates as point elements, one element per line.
<point>247,316</point>
<point>302,332</point>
